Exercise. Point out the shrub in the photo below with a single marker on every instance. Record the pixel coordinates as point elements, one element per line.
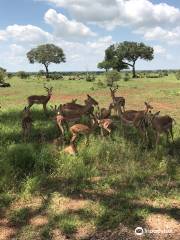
<point>22,74</point>
<point>111,77</point>
<point>177,74</point>
<point>22,159</point>
<point>55,76</point>
<point>126,76</point>
<point>90,78</point>
<point>2,75</point>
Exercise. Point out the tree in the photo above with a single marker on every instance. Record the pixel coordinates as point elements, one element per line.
<point>46,54</point>
<point>132,51</point>
<point>125,54</point>
<point>104,65</point>
<point>112,60</point>
<point>2,74</point>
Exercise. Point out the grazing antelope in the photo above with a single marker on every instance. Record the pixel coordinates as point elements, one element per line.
<point>80,129</point>
<point>118,101</point>
<point>161,124</point>
<point>105,124</point>
<point>106,113</point>
<point>26,123</point>
<point>40,99</point>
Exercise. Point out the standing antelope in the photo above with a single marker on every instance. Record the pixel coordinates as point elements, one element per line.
<point>81,129</point>
<point>40,99</point>
<point>136,118</point>
<point>118,101</point>
<point>26,123</point>
<point>106,113</point>
<point>161,124</point>
<point>74,108</point>
<point>62,120</point>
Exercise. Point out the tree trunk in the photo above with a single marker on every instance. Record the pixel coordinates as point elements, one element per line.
<point>47,72</point>
<point>133,71</point>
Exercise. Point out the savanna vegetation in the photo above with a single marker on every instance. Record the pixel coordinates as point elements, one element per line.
<point>113,185</point>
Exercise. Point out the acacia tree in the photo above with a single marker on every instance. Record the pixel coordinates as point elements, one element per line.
<point>104,65</point>
<point>112,60</point>
<point>46,54</point>
<point>132,51</point>
<point>125,54</point>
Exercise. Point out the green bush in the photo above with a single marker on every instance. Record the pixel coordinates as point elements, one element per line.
<point>22,159</point>
<point>126,77</point>
<point>111,77</point>
<point>3,75</point>
<point>177,74</point>
<point>22,74</point>
<point>90,78</point>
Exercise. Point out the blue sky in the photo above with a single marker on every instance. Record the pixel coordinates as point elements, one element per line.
<point>84,29</point>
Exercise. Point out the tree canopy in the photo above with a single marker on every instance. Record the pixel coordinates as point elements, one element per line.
<point>123,55</point>
<point>46,54</point>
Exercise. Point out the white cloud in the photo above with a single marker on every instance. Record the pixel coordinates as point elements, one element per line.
<point>138,14</point>
<point>25,33</point>
<point>63,27</point>
<point>159,50</point>
<point>100,45</point>
<point>120,12</point>
<point>89,11</point>
<point>169,36</point>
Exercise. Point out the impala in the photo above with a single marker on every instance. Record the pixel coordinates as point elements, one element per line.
<point>161,124</point>
<point>40,99</point>
<point>136,118</point>
<point>118,101</point>
<point>106,113</point>
<point>74,108</point>
<point>26,123</point>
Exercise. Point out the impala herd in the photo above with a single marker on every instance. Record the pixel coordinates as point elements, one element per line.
<point>68,116</point>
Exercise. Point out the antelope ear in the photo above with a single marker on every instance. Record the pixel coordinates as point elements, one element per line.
<point>157,113</point>
<point>145,103</point>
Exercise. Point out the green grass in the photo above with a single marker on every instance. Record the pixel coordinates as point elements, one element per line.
<point>126,173</point>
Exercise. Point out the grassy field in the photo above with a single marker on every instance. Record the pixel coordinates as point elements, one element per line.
<point>111,187</point>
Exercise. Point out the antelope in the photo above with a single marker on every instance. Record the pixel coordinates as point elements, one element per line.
<point>26,123</point>
<point>138,119</point>
<point>105,124</point>
<point>106,113</point>
<point>62,120</point>
<point>160,125</point>
<point>40,99</point>
<point>74,108</point>
<point>80,129</point>
<point>71,149</point>
<point>118,101</point>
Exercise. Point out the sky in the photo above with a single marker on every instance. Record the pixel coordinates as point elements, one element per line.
<point>85,28</point>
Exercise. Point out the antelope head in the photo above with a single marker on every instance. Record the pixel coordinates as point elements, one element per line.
<point>113,91</point>
<point>26,112</point>
<point>49,90</point>
<point>91,101</point>
<point>148,107</point>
